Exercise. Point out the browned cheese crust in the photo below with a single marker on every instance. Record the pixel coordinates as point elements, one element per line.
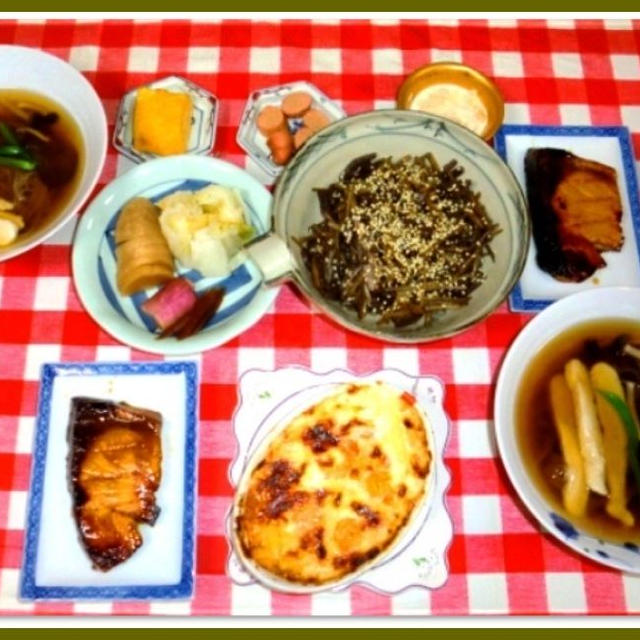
<point>336,486</point>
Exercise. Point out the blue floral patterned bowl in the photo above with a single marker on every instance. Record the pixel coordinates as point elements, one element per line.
<point>594,304</point>
<point>394,133</point>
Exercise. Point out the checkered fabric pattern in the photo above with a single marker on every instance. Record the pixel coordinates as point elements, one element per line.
<point>560,72</point>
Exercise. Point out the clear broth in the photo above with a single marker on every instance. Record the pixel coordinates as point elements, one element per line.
<point>64,130</point>
<point>536,434</point>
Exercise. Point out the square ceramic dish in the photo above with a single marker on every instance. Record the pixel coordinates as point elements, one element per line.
<point>608,145</point>
<point>417,558</point>
<point>254,143</point>
<point>203,120</point>
<point>55,565</point>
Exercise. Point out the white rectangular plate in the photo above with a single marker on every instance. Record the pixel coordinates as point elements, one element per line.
<point>608,145</point>
<point>55,565</point>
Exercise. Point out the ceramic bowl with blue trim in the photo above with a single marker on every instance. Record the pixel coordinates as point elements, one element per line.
<point>94,263</point>
<point>395,133</point>
<point>605,303</point>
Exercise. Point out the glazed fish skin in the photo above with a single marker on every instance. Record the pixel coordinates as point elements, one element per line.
<point>575,209</point>
<point>114,471</point>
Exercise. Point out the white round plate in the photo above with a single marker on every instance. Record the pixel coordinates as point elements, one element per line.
<point>590,305</point>
<point>40,72</point>
<point>94,266</point>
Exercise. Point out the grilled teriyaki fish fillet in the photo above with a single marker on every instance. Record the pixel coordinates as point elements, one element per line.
<point>114,470</point>
<point>575,209</point>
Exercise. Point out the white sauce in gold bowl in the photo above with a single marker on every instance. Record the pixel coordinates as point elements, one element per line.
<point>452,101</point>
<point>457,92</point>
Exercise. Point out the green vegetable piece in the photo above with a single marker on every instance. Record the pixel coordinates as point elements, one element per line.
<point>8,135</point>
<point>11,150</point>
<point>632,435</point>
<point>18,163</point>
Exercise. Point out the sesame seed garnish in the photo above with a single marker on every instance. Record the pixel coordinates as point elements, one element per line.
<point>402,240</point>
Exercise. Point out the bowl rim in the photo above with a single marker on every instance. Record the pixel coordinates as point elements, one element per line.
<point>314,297</point>
<point>419,514</point>
<point>65,217</point>
<point>504,430</point>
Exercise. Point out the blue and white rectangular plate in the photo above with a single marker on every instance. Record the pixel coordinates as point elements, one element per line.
<point>55,565</point>
<point>608,145</point>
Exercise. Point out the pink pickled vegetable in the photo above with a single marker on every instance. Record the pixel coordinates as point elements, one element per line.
<point>171,302</point>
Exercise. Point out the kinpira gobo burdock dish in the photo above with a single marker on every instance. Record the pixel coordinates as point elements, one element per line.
<point>331,492</point>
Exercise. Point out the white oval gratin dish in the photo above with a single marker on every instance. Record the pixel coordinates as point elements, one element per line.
<point>269,400</point>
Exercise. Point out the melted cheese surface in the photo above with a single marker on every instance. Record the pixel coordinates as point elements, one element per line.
<point>336,486</point>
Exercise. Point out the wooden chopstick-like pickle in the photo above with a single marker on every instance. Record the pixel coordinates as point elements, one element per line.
<point>575,492</point>
<point>143,256</point>
<point>605,378</point>
<point>589,433</point>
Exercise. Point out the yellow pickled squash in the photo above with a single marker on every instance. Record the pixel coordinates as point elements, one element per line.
<point>162,121</point>
<point>605,378</point>
<point>589,431</point>
<point>575,492</point>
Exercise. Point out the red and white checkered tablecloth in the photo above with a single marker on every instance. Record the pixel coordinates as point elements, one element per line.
<point>560,72</point>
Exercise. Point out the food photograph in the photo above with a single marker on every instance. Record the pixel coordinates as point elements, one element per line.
<point>319,317</point>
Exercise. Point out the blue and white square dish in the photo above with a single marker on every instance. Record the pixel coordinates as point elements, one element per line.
<point>55,565</point>
<point>608,145</point>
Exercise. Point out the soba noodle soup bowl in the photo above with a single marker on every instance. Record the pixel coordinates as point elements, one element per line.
<point>58,90</point>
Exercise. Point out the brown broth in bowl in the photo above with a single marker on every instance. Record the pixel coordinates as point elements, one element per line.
<point>52,139</point>
<point>536,434</point>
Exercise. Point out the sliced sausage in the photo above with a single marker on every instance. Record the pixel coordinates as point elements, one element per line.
<point>281,145</point>
<point>296,104</point>
<point>271,119</point>
<point>315,119</point>
<point>301,136</point>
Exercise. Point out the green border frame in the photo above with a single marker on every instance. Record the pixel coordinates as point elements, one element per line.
<point>255,7</point>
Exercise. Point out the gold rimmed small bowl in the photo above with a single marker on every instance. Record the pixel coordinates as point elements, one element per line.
<point>453,80</point>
